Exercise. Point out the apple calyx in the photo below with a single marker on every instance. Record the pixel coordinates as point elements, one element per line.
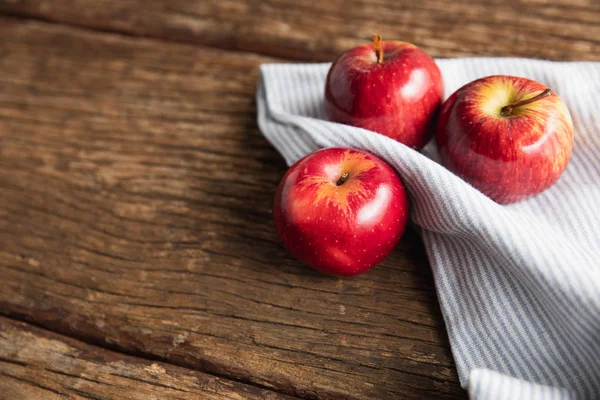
<point>508,109</point>
<point>343,178</point>
<point>378,45</point>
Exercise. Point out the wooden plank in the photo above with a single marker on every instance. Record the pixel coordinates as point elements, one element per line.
<point>37,364</point>
<point>135,213</point>
<point>310,30</point>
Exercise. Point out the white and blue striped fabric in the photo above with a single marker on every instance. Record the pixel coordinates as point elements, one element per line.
<point>519,285</point>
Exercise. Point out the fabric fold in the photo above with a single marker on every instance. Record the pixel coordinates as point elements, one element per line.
<point>518,285</point>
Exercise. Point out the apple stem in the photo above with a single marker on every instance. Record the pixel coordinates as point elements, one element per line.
<point>378,45</point>
<point>342,179</point>
<point>507,110</point>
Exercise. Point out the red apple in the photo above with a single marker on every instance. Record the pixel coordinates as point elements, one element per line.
<point>509,137</point>
<point>393,88</point>
<point>341,211</point>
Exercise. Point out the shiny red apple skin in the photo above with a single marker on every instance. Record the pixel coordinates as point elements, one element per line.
<point>399,97</point>
<point>344,229</point>
<point>508,158</point>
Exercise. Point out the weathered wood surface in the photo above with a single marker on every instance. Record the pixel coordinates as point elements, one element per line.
<point>135,213</point>
<point>319,30</point>
<point>37,364</point>
<point>136,189</point>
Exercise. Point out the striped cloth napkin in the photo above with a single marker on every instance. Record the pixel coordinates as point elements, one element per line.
<point>519,285</point>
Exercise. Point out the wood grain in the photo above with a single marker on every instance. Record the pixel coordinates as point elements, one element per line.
<point>135,214</point>
<point>37,364</point>
<point>319,31</point>
<point>136,193</point>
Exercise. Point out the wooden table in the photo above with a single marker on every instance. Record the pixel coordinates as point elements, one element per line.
<point>137,255</point>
